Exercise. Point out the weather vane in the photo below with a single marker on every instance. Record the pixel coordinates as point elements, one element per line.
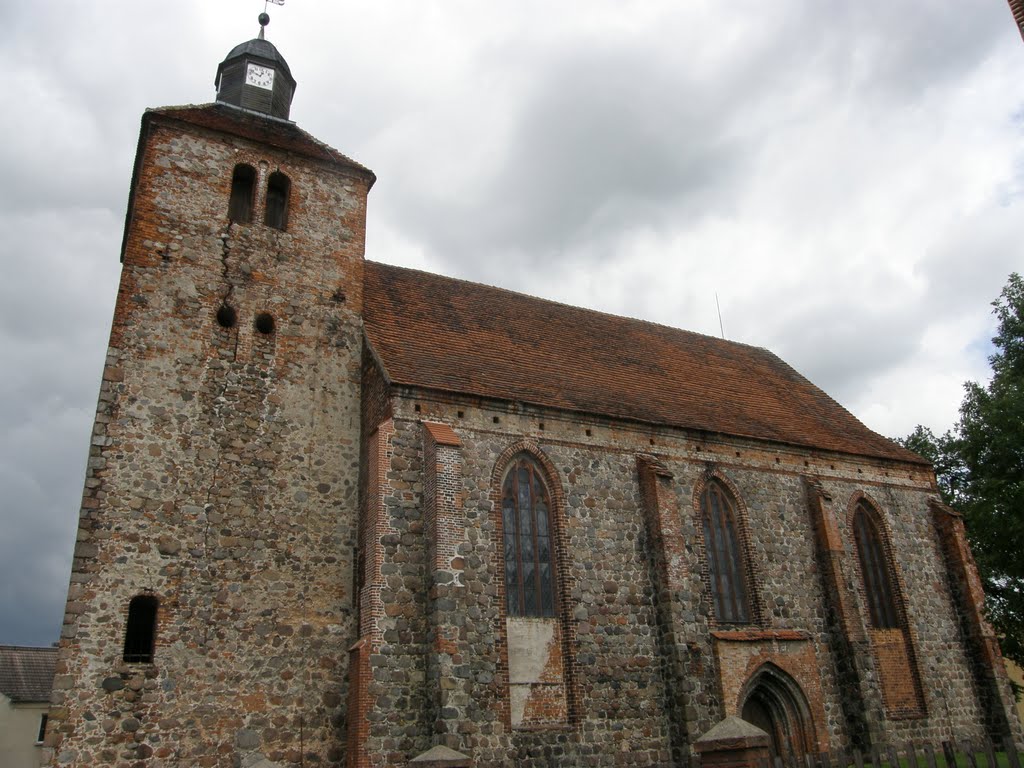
<point>265,17</point>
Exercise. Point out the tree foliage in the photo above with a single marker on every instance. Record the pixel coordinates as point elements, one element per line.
<point>980,469</point>
<point>941,452</point>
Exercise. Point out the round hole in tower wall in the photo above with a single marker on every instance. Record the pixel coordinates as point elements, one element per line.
<point>226,316</point>
<point>264,323</point>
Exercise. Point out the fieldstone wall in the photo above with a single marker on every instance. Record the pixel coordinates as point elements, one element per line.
<point>647,665</point>
<point>223,472</point>
<point>994,692</point>
<point>326,548</point>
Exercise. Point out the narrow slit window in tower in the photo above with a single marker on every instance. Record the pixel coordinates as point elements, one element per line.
<point>243,184</point>
<point>140,632</point>
<point>278,187</point>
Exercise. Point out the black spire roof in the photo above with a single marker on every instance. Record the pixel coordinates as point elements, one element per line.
<point>255,76</point>
<point>256,48</point>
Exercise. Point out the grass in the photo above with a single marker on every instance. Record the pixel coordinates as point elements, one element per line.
<point>981,760</point>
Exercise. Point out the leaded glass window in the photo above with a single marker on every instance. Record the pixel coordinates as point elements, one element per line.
<point>874,568</point>
<point>529,562</point>
<point>725,558</point>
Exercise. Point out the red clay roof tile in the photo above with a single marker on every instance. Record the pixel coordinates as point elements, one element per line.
<point>445,334</point>
<point>442,433</point>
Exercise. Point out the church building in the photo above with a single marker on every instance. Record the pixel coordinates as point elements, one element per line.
<point>341,513</point>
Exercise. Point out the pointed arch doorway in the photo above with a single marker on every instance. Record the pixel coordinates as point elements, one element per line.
<point>774,702</point>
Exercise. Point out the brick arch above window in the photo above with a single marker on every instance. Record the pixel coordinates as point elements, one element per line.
<point>726,564</point>
<point>534,451</point>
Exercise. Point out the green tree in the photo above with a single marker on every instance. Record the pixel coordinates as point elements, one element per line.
<point>989,443</point>
<point>941,452</point>
<point>979,466</point>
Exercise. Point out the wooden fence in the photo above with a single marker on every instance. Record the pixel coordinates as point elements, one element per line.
<point>949,754</point>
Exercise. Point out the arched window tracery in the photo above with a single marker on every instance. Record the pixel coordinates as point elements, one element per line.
<point>529,557</point>
<point>727,568</point>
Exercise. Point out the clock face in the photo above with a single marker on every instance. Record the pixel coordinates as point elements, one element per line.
<point>261,77</point>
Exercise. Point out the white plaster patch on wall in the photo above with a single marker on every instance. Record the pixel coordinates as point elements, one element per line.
<point>518,696</point>
<point>536,684</point>
<point>529,648</point>
<point>455,564</point>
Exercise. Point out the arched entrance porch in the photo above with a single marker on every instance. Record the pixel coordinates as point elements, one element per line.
<point>775,703</point>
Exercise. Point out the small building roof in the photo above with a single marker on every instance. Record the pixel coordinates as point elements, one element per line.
<point>444,334</point>
<point>26,673</point>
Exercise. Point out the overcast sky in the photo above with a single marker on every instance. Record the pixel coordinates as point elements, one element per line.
<point>847,177</point>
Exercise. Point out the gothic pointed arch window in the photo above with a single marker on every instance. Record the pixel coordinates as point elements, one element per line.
<point>243,185</point>
<point>727,568</point>
<point>529,559</point>
<point>875,569</point>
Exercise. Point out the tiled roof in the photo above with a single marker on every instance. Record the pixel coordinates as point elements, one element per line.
<point>259,128</point>
<point>26,674</point>
<point>443,434</point>
<point>439,333</point>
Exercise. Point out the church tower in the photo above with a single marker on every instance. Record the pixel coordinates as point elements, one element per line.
<point>211,601</point>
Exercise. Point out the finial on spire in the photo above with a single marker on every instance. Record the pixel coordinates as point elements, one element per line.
<point>264,18</point>
<point>255,76</point>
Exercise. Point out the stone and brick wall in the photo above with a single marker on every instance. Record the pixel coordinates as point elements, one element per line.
<point>223,471</point>
<point>651,669</point>
<point>327,552</point>
<point>979,638</point>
